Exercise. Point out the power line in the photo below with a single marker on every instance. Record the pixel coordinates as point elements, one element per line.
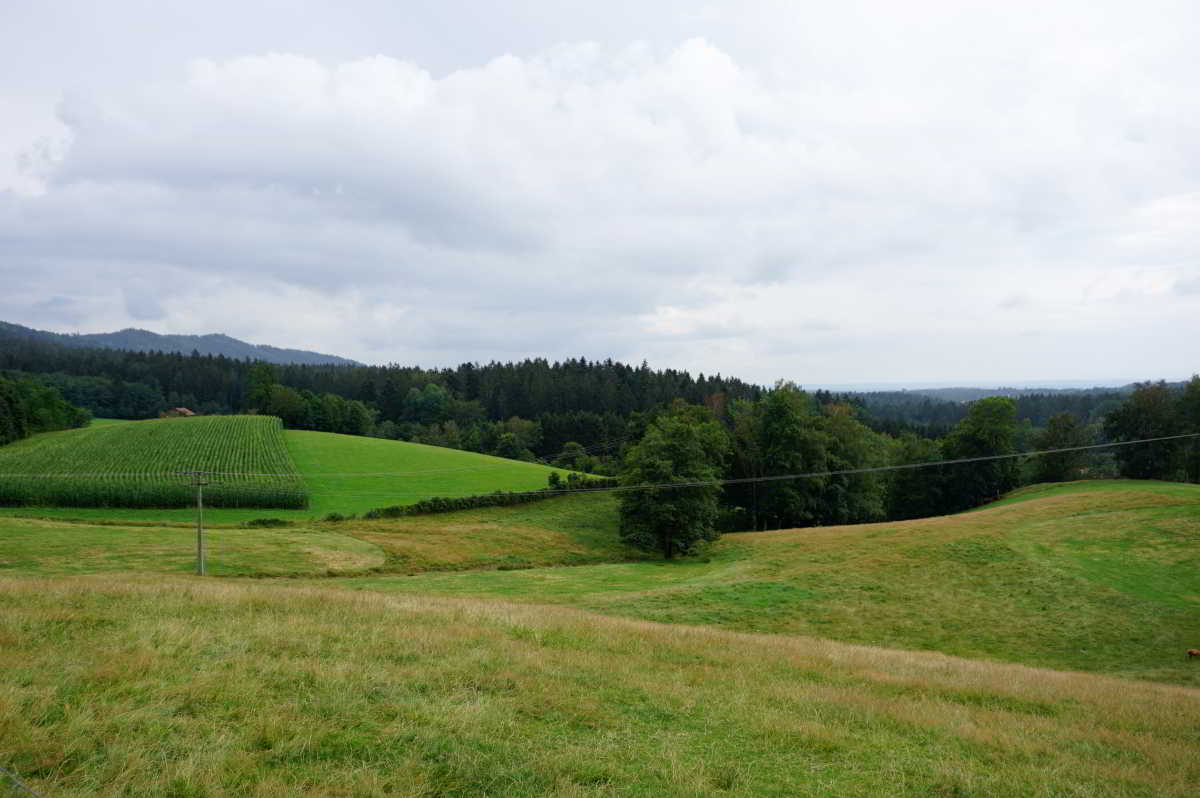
<point>834,473</point>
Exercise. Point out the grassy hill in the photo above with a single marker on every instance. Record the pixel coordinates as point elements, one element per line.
<point>189,688</point>
<point>1089,576</point>
<point>343,474</point>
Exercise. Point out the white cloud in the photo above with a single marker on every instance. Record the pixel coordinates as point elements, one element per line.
<point>827,201</point>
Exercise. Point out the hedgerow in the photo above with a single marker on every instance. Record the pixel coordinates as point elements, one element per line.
<point>449,504</point>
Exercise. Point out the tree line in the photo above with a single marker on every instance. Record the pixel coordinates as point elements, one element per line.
<point>778,456</point>
<point>529,409</point>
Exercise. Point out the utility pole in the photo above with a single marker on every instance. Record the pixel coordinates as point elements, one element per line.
<point>198,482</point>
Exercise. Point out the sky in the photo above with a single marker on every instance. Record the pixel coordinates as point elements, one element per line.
<point>830,193</point>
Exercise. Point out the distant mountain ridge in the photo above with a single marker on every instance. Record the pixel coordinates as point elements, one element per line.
<point>135,340</point>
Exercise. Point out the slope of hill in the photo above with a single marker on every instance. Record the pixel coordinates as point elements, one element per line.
<point>1092,577</point>
<point>342,474</point>
<point>135,340</point>
<point>184,688</point>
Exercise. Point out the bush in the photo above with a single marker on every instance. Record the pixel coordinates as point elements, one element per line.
<point>441,504</point>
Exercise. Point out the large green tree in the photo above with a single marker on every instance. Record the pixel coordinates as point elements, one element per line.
<point>852,498</point>
<point>989,430</point>
<point>260,380</point>
<point>791,441</point>
<point>1152,411</point>
<point>915,492</point>
<point>1062,432</point>
<point>685,444</point>
<point>1189,421</point>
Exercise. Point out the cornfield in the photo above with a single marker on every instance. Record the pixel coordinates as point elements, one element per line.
<point>143,464</point>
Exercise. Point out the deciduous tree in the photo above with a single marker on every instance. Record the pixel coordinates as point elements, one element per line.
<point>684,445</point>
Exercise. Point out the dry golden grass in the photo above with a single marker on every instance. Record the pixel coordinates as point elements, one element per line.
<point>194,688</point>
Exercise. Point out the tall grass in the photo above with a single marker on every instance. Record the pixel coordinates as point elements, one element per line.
<point>183,688</point>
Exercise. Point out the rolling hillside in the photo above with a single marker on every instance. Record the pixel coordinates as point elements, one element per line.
<point>342,474</point>
<point>1100,576</point>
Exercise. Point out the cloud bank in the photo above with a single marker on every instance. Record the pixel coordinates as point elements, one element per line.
<point>1021,206</point>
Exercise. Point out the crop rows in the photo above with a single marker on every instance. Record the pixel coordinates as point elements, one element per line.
<point>141,464</point>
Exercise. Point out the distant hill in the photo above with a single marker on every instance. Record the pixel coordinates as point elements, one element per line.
<point>135,340</point>
<point>971,394</point>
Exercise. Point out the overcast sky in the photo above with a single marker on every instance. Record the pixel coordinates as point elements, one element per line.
<point>844,192</point>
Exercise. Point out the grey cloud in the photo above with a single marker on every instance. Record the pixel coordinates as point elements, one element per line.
<point>1014,301</point>
<point>1188,287</point>
<point>143,302</point>
<point>60,310</point>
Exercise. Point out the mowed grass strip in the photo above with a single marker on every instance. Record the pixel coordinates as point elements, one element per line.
<point>138,464</point>
<point>191,688</point>
<point>1104,580</point>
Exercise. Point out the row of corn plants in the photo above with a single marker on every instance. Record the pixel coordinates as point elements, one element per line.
<point>144,464</point>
